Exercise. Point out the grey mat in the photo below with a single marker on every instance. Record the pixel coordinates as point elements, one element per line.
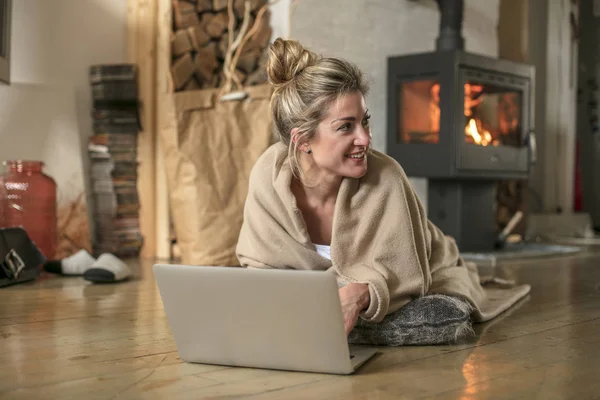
<point>514,252</point>
<point>575,241</point>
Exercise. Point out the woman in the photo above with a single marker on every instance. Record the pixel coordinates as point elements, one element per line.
<point>322,199</point>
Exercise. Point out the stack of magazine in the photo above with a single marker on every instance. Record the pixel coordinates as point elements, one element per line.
<point>113,159</point>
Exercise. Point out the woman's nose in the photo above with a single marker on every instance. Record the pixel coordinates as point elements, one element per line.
<point>363,138</point>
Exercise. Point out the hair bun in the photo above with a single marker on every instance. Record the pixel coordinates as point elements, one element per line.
<point>287,58</point>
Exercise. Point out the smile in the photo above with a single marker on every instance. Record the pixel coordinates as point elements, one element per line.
<point>356,155</point>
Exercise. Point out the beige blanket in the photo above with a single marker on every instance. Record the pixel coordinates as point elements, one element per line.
<point>381,237</point>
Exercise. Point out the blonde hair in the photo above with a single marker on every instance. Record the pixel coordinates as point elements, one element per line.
<point>306,84</point>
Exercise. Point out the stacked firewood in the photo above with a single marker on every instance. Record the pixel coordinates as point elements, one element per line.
<point>200,41</point>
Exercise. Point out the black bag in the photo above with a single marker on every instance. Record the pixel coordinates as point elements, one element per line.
<point>20,258</point>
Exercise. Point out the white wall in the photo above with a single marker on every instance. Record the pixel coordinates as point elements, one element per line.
<point>280,18</point>
<point>367,31</point>
<point>54,41</point>
<point>45,112</point>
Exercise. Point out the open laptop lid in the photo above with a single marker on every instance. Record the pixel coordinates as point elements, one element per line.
<point>280,319</point>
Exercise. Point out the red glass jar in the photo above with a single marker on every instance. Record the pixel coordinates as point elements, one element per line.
<point>29,200</point>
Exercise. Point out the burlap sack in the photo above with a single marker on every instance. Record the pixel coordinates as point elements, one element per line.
<point>208,158</point>
<point>211,141</point>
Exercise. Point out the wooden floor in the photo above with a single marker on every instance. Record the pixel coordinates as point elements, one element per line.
<point>65,338</point>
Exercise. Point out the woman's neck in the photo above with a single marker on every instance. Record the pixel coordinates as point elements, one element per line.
<point>321,186</point>
<point>319,191</point>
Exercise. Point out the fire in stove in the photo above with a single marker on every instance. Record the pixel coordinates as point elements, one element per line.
<point>492,117</point>
<point>482,139</point>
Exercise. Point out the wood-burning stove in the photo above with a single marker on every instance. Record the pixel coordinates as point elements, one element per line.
<point>464,121</point>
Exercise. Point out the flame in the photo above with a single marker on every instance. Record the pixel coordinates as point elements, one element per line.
<point>484,138</point>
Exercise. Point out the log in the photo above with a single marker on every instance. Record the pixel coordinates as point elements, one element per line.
<point>206,62</point>
<point>214,24</point>
<point>238,8</point>
<point>180,43</point>
<point>213,83</point>
<point>193,84</point>
<point>209,55</point>
<point>182,70</point>
<point>248,60</point>
<point>203,5</point>
<point>184,14</point>
<point>198,38</point>
<point>219,5</point>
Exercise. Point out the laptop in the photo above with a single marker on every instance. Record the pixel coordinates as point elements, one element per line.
<point>259,318</point>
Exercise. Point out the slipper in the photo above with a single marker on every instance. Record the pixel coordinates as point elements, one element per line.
<point>74,265</point>
<point>107,269</point>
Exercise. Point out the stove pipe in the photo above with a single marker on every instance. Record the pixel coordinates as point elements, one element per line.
<point>450,37</point>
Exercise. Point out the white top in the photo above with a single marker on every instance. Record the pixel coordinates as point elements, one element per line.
<point>324,251</point>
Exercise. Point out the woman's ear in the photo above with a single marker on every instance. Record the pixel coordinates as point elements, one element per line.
<point>296,139</point>
<point>294,135</point>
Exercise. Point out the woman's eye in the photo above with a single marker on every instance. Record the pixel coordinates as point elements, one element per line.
<point>365,121</point>
<point>344,127</point>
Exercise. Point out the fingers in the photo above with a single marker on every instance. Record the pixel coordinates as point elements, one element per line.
<point>349,322</point>
<point>348,327</point>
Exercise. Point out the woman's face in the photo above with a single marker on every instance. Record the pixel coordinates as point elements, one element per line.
<point>343,137</point>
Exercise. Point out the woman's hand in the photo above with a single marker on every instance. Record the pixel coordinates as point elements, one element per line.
<point>354,298</point>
